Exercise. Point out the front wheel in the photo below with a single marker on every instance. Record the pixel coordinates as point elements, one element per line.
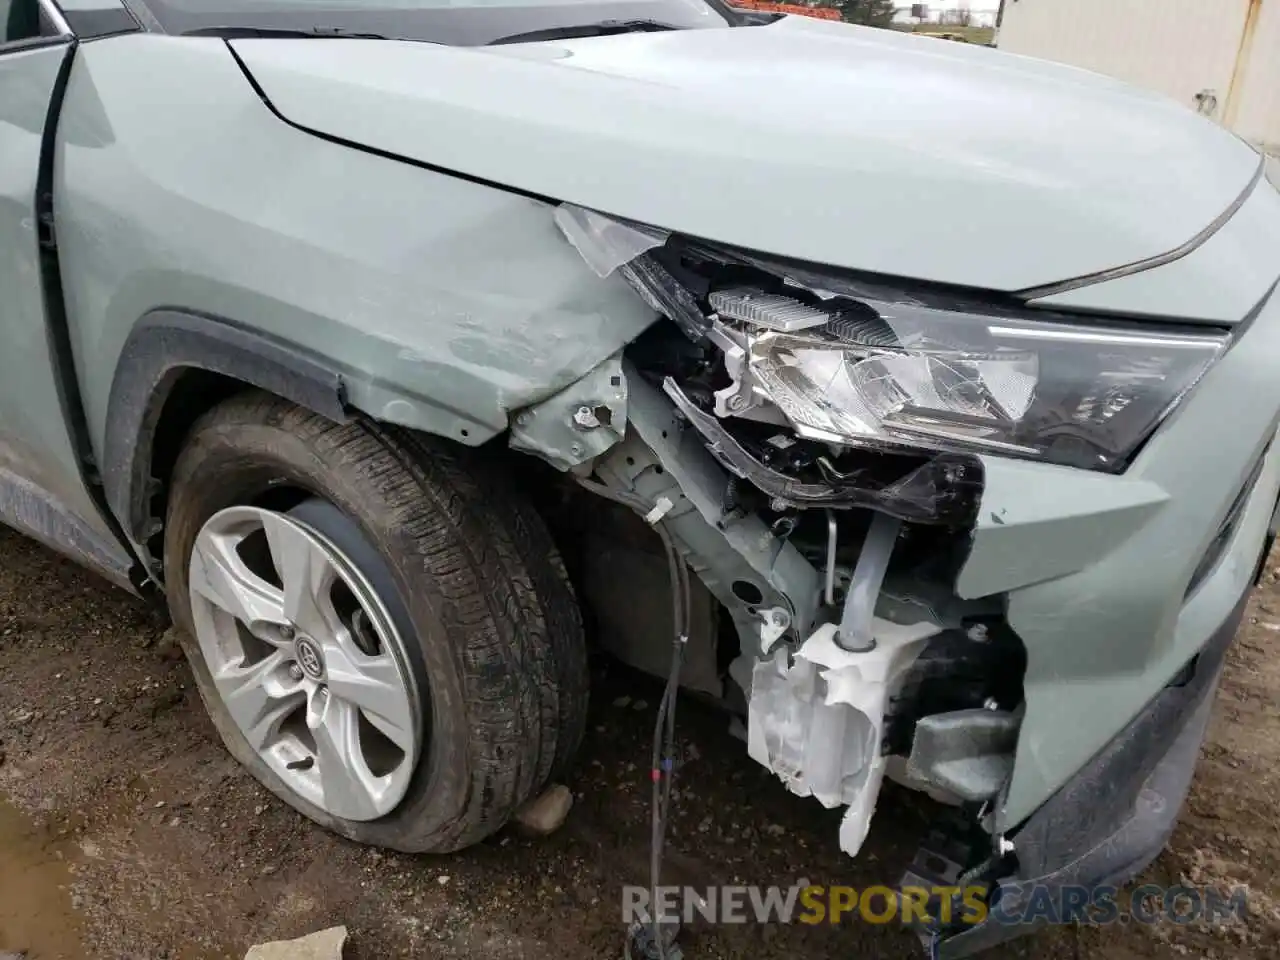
<point>382,632</point>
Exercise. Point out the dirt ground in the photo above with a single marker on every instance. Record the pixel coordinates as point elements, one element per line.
<point>125,831</point>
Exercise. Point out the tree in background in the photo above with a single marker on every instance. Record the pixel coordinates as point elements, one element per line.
<point>872,13</point>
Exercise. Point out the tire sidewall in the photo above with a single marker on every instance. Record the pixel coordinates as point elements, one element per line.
<point>237,463</point>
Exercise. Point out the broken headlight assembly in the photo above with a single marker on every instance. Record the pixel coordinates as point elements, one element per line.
<point>862,364</point>
<point>864,367</point>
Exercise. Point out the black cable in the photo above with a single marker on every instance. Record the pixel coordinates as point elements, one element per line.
<point>662,764</point>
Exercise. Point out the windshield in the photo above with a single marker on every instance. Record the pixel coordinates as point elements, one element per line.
<point>458,23</point>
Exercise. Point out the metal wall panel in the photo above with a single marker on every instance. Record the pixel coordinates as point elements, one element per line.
<point>1186,49</point>
<point>1254,112</point>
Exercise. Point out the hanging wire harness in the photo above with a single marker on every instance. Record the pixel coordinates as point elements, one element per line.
<point>656,940</point>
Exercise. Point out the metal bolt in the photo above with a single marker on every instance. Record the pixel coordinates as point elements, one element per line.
<point>524,418</point>
<point>586,418</point>
<point>990,704</point>
<point>737,402</point>
<point>295,672</point>
<point>286,632</point>
<point>577,449</point>
<point>978,633</point>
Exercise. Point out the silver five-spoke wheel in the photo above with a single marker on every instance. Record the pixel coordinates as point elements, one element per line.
<point>306,660</point>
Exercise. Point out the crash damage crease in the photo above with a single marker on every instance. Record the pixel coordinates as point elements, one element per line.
<point>817,702</point>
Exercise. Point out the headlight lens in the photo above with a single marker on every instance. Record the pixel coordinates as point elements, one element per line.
<point>871,371</point>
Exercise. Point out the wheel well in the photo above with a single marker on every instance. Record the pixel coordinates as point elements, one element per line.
<point>175,366</point>
<point>192,394</point>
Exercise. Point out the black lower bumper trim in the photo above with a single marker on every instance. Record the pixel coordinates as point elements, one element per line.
<point>1115,816</point>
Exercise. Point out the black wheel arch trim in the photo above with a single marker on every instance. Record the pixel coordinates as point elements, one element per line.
<point>164,345</point>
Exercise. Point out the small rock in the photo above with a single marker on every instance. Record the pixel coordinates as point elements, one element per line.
<point>776,829</point>
<point>159,804</point>
<point>174,822</point>
<point>269,869</point>
<point>640,705</point>
<point>168,646</point>
<point>623,701</point>
<point>545,814</point>
<point>443,879</point>
<point>325,945</point>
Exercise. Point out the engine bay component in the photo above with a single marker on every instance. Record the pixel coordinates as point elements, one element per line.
<point>967,753</point>
<point>774,408</point>
<point>856,632</point>
<point>816,717</point>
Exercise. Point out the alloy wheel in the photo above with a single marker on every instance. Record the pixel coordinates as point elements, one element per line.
<point>306,660</point>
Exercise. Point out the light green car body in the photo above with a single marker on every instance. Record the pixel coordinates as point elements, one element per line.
<point>180,203</point>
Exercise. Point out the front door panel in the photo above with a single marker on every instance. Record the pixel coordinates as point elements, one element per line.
<point>42,487</point>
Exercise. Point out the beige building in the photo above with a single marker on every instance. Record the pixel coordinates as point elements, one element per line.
<point>1221,57</point>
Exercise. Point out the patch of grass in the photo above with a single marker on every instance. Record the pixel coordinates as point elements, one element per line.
<point>980,35</point>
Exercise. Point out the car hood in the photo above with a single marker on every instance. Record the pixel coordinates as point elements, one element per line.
<point>865,149</point>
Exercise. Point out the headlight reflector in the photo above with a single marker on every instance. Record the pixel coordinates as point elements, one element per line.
<point>880,372</point>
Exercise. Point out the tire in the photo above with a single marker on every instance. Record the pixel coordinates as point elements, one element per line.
<point>491,628</point>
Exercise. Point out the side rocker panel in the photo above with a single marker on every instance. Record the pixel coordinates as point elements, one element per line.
<point>442,305</point>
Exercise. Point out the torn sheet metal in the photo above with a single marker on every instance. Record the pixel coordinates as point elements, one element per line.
<point>816,718</point>
<point>580,422</point>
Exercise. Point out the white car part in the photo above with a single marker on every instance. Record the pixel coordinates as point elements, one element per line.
<point>816,717</point>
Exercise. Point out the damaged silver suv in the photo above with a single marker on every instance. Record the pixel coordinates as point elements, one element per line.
<point>387,340</point>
